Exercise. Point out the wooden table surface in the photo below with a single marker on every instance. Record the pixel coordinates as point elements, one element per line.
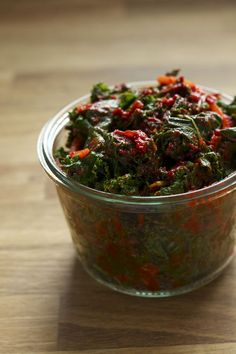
<point>52,52</point>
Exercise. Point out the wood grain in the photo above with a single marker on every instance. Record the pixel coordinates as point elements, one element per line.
<point>51,53</point>
<point>226,348</point>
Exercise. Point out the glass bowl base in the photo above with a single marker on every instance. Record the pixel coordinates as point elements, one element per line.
<point>162,293</point>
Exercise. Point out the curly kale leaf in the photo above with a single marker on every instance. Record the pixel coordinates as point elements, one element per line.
<point>178,143</point>
<point>206,170</point>
<point>230,108</point>
<point>90,171</point>
<point>95,139</point>
<point>180,181</point>
<point>126,99</point>
<point>60,154</point>
<point>81,124</point>
<point>99,92</point>
<point>126,184</point>
<point>207,123</point>
<point>227,148</point>
<point>229,134</point>
<point>73,114</point>
<point>148,101</point>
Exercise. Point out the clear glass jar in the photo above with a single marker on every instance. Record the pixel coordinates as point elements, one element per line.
<point>144,246</point>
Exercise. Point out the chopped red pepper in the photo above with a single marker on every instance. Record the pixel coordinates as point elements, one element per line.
<point>166,80</point>
<point>169,101</point>
<point>135,106</point>
<point>137,136</point>
<point>81,153</point>
<point>121,113</point>
<point>83,107</point>
<point>226,122</point>
<point>194,97</point>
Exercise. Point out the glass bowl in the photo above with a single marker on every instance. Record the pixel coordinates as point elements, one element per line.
<point>144,246</point>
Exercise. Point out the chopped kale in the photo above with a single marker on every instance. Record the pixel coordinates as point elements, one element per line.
<point>227,148</point>
<point>99,92</point>
<point>90,171</point>
<point>61,153</point>
<point>229,108</point>
<point>207,123</point>
<point>178,143</point>
<point>126,184</point>
<point>126,99</point>
<point>166,139</point>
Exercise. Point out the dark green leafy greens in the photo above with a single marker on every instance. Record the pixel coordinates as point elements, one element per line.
<point>168,139</point>
<point>229,108</point>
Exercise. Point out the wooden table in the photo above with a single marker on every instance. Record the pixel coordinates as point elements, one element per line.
<point>51,53</point>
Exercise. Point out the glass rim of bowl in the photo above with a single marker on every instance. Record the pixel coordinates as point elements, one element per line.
<point>58,122</point>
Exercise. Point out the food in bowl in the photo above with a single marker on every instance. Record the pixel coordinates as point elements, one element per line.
<point>146,178</point>
<point>156,140</point>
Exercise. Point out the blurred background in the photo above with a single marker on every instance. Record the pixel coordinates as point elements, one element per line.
<point>51,52</point>
<point>54,51</point>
